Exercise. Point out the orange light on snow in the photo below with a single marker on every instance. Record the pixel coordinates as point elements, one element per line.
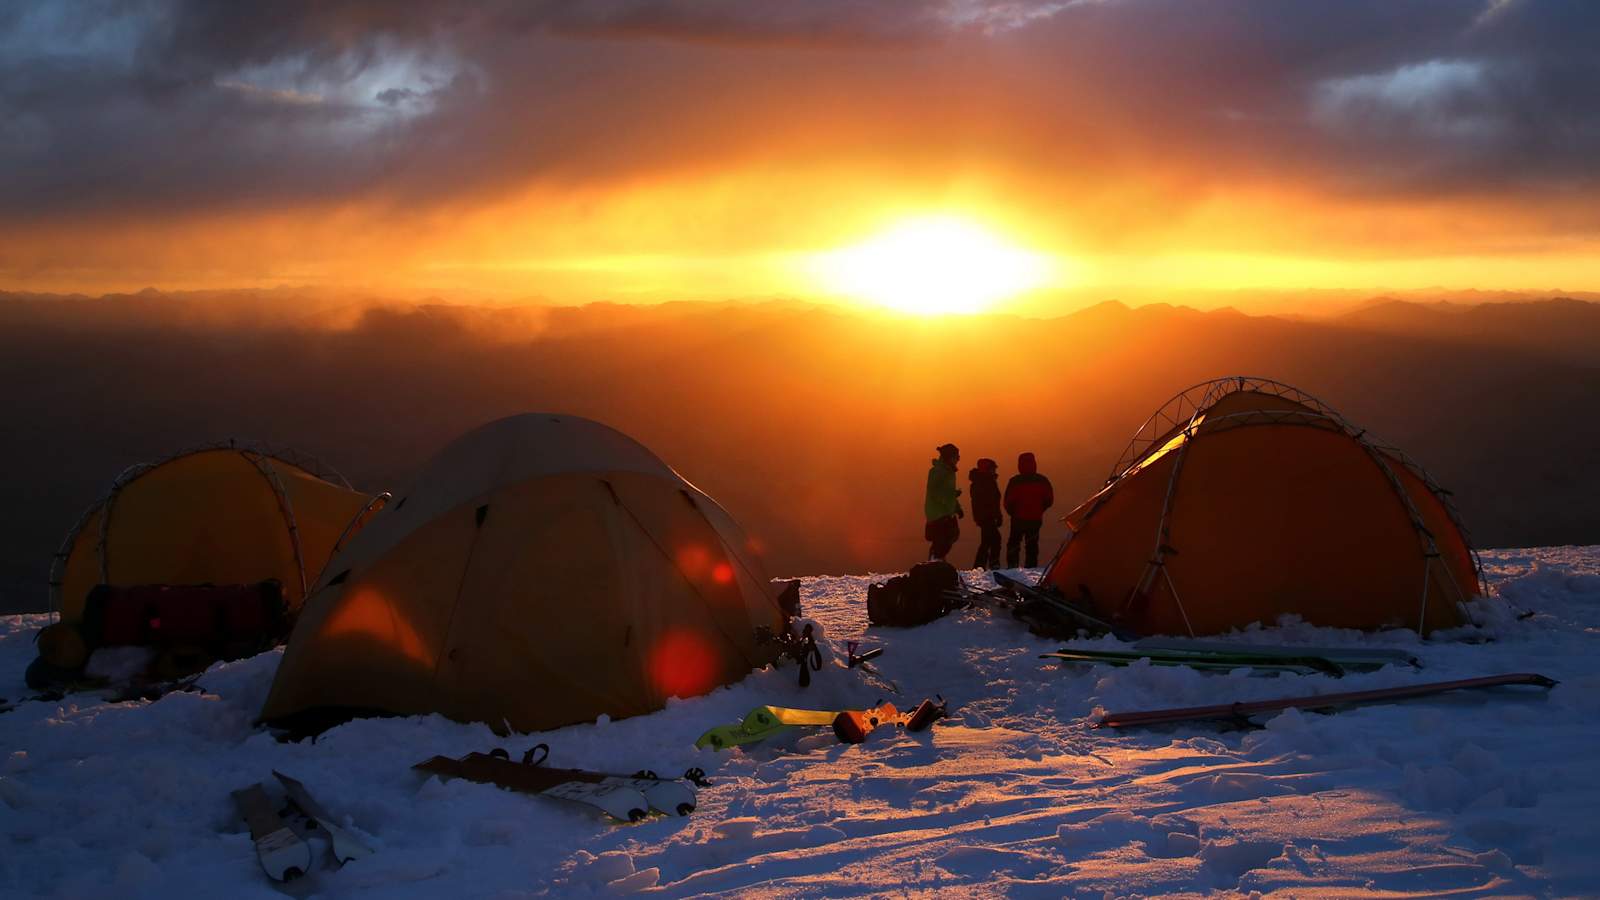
<point>682,664</point>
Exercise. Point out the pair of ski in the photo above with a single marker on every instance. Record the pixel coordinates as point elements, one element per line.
<point>1226,656</point>
<point>284,853</point>
<point>1045,611</point>
<point>628,798</point>
<point>1244,710</point>
<point>850,726</point>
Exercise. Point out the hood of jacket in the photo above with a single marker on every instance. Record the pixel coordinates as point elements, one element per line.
<point>1026,464</point>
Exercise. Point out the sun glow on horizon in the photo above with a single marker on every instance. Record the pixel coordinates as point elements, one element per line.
<point>933,265</point>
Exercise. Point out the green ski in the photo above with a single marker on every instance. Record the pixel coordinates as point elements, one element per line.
<point>1303,665</point>
<point>1349,658</point>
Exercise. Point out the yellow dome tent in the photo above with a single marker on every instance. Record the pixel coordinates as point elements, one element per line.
<point>226,514</point>
<point>1242,500</point>
<point>541,571</point>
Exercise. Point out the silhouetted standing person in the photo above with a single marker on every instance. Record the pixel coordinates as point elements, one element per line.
<point>985,496</point>
<point>1028,495</point>
<point>941,505</point>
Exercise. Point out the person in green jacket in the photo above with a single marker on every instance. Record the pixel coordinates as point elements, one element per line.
<point>941,505</point>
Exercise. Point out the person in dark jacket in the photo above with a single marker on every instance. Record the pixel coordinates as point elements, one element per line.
<point>1028,495</point>
<point>985,481</point>
<point>941,505</point>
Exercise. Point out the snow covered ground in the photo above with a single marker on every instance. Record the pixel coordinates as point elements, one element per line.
<point>1484,793</point>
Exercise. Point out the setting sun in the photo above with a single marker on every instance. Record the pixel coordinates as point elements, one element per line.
<point>931,266</point>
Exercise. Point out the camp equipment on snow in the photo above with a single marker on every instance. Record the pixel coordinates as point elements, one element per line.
<point>226,620</point>
<point>851,726</point>
<point>1299,665</point>
<point>1243,500</point>
<point>802,648</point>
<point>1244,709</point>
<point>614,797</point>
<point>1348,658</point>
<point>341,843</point>
<point>1050,612</point>
<point>62,646</point>
<point>187,627</point>
<point>861,659</point>
<point>1045,611</point>
<point>926,713</point>
<point>914,598</point>
<point>671,796</point>
<point>864,662</point>
<point>541,571</point>
<point>283,854</point>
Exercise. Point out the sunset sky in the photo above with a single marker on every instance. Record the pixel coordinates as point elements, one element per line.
<point>831,148</point>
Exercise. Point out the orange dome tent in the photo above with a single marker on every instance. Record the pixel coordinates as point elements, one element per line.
<point>1243,500</point>
<point>541,571</point>
<point>227,514</point>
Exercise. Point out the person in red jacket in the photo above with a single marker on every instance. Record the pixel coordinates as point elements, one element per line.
<point>1028,495</point>
<point>985,497</point>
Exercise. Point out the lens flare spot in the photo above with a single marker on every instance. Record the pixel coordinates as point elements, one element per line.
<point>683,664</point>
<point>722,573</point>
<point>694,560</point>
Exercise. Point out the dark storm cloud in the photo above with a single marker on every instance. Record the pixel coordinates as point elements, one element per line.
<point>110,107</point>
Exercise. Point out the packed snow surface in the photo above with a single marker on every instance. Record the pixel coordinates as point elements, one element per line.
<point>1474,793</point>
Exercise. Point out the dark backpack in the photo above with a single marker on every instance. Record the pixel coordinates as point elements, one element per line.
<point>915,598</point>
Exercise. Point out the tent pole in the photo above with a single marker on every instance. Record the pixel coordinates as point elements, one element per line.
<point>1422,612</point>
<point>285,507</point>
<point>1178,600</point>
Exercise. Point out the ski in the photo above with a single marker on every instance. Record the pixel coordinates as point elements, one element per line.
<point>283,854</point>
<point>671,796</point>
<point>724,736</point>
<point>615,799</point>
<point>1355,658</point>
<point>1244,709</point>
<point>344,845</point>
<point>1299,665</point>
<point>761,723</point>
<point>1035,599</point>
<point>763,718</point>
